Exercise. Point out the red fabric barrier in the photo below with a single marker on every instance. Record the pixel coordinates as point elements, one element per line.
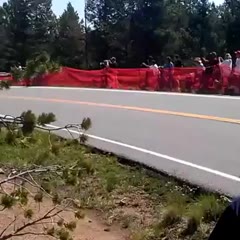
<point>73,78</point>
<point>181,79</point>
<point>6,77</point>
<point>152,80</point>
<point>127,78</point>
<point>110,78</point>
<point>193,79</point>
<point>234,81</point>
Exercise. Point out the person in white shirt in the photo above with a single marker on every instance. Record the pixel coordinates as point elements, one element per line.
<point>227,61</point>
<point>237,64</point>
<point>151,63</point>
<point>226,65</point>
<point>198,63</point>
<point>234,76</point>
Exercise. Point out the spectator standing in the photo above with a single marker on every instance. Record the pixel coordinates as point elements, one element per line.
<point>212,71</point>
<point>199,73</point>
<point>226,65</point>
<point>113,62</point>
<point>226,70</point>
<point>167,75</point>
<point>178,62</point>
<point>234,79</point>
<point>19,66</point>
<point>169,64</point>
<point>237,64</point>
<point>104,64</point>
<point>151,63</point>
<point>210,62</point>
<point>227,61</point>
<point>199,63</point>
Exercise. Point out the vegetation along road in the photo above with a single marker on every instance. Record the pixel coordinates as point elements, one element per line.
<point>193,137</point>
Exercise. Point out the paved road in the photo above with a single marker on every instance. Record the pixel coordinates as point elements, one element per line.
<point>178,134</point>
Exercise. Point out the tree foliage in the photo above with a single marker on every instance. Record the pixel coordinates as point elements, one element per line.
<point>23,187</point>
<point>128,29</point>
<point>35,68</point>
<point>70,42</point>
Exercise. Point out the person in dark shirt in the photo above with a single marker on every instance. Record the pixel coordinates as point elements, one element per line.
<point>211,74</point>
<point>210,62</point>
<point>113,62</point>
<point>177,62</point>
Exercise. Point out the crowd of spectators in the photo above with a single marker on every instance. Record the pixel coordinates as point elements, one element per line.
<point>206,63</point>
<point>209,70</point>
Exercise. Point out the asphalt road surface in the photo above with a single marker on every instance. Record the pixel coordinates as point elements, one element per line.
<point>193,137</point>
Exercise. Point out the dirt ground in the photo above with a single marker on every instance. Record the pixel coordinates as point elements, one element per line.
<point>91,227</point>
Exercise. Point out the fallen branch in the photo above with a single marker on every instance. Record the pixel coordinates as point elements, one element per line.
<point>15,123</point>
<point>17,232</point>
<point>48,218</point>
<point>19,130</point>
<point>21,174</point>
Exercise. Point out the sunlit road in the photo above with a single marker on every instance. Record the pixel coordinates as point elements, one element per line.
<point>196,138</point>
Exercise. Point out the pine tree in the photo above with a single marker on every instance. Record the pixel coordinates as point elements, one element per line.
<point>19,27</point>
<point>71,40</point>
<point>43,26</point>
<point>5,48</point>
<point>231,22</point>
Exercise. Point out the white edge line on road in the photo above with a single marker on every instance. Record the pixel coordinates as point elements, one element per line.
<point>135,91</point>
<point>159,155</point>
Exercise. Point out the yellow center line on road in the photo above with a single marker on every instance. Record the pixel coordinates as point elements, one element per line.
<point>125,107</point>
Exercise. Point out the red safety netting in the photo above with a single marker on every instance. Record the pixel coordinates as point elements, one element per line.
<point>73,78</point>
<point>181,79</point>
<point>5,77</point>
<point>107,78</point>
<point>132,78</point>
<point>192,79</point>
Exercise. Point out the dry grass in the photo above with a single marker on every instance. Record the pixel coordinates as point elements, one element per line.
<point>130,196</point>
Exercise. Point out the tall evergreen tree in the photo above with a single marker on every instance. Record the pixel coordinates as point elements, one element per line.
<point>231,21</point>
<point>29,26</point>
<point>5,45</point>
<point>43,26</point>
<point>17,13</point>
<point>70,41</point>
<point>128,29</point>
<point>111,21</point>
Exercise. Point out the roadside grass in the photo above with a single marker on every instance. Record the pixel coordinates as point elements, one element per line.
<point>150,206</point>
